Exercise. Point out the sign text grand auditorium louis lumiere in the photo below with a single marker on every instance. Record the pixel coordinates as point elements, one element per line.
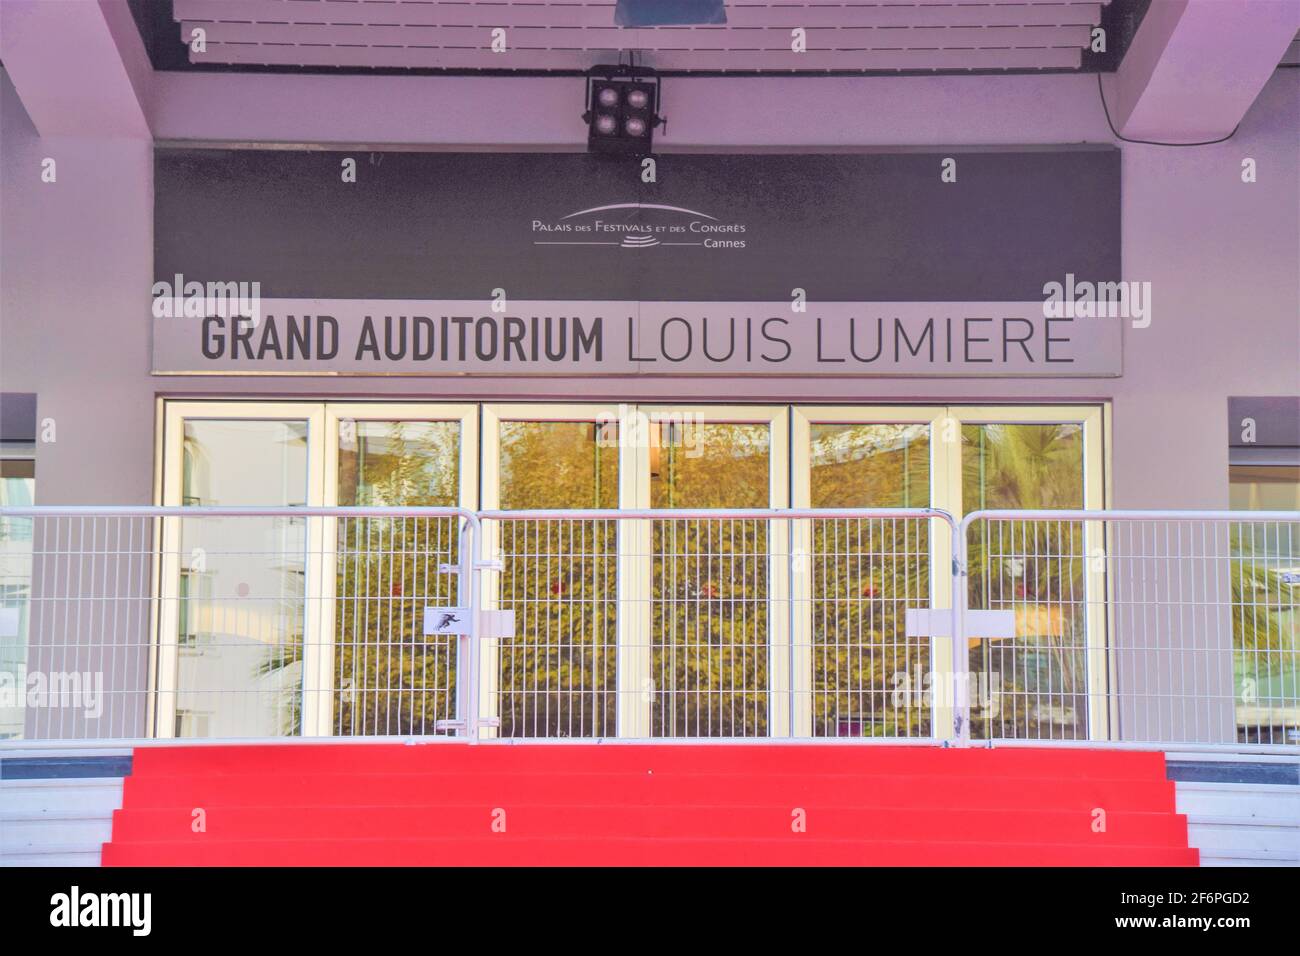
<point>528,264</point>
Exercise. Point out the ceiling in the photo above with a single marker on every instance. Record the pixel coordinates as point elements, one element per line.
<point>1292,55</point>
<point>573,35</point>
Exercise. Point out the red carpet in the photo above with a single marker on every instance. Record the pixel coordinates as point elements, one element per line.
<point>632,804</point>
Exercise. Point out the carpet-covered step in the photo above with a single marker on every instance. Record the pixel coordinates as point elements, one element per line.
<point>543,757</point>
<point>566,788</point>
<point>232,823</point>
<point>644,804</point>
<point>507,850</point>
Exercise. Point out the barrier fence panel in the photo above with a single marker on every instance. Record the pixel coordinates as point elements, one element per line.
<point>231,623</point>
<point>389,676</point>
<point>75,624</point>
<point>712,621</point>
<point>710,624</point>
<point>1133,627</point>
<point>558,672</point>
<point>870,676</point>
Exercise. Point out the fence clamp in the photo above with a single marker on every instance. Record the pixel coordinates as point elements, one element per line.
<point>931,622</point>
<point>496,565</point>
<point>460,724</point>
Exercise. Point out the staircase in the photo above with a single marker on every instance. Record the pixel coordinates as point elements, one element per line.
<point>632,804</point>
<point>1242,824</point>
<point>57,810</point>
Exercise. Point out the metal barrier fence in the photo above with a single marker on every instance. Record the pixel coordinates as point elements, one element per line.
<point>1168,629</point>
<point>202,623</point>
<point>1137,627</point>
<point>702,624</point>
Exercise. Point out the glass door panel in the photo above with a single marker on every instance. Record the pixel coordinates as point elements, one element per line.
<point>1265,573</point>
<point>557,677</point>
<point>869,678</point>
<point>388,676</point>
<point>869,465</point>
<point>558,465</point>
<point>1035,684</point>
<point>711,599</point>
<point>241,589</point>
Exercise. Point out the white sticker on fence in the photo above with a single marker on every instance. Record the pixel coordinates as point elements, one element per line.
<point>456,620</point>
<point>446,620</point>
<point>8,622</point>
<point>930,622</point>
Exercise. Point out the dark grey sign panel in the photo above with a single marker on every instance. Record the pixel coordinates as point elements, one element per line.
<point>861,227</point>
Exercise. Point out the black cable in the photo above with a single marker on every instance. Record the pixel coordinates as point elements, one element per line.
<point>1147,142</point>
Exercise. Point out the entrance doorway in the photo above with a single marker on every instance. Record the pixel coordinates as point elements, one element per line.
<point>628,622</point>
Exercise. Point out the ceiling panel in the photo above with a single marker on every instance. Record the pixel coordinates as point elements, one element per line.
<point>1292,55</point>
<point>570,35</point>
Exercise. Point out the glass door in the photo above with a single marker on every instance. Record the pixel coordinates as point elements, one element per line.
<point>1049,681</point>
<point>1035,684</point>
<point>862,675</point>
<point>715,616</point>
<point>866,676</point>
<point>278,625</point>
<point>379,673</point>
<point>1265,619</point>
<point>560,577</point>
<point>636,627</point>
<point>236,625</point>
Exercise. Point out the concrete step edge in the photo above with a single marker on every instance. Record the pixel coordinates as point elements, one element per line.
<point>60,783</point>
<point>49,816</point>
<point>1200,819</point>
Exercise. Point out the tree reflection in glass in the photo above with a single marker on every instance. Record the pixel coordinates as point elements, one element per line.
<point>1035,684</point>
<point>389,677</point>
<point>557,674</point>
<point>869,678</point>
<point>709,613</point>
